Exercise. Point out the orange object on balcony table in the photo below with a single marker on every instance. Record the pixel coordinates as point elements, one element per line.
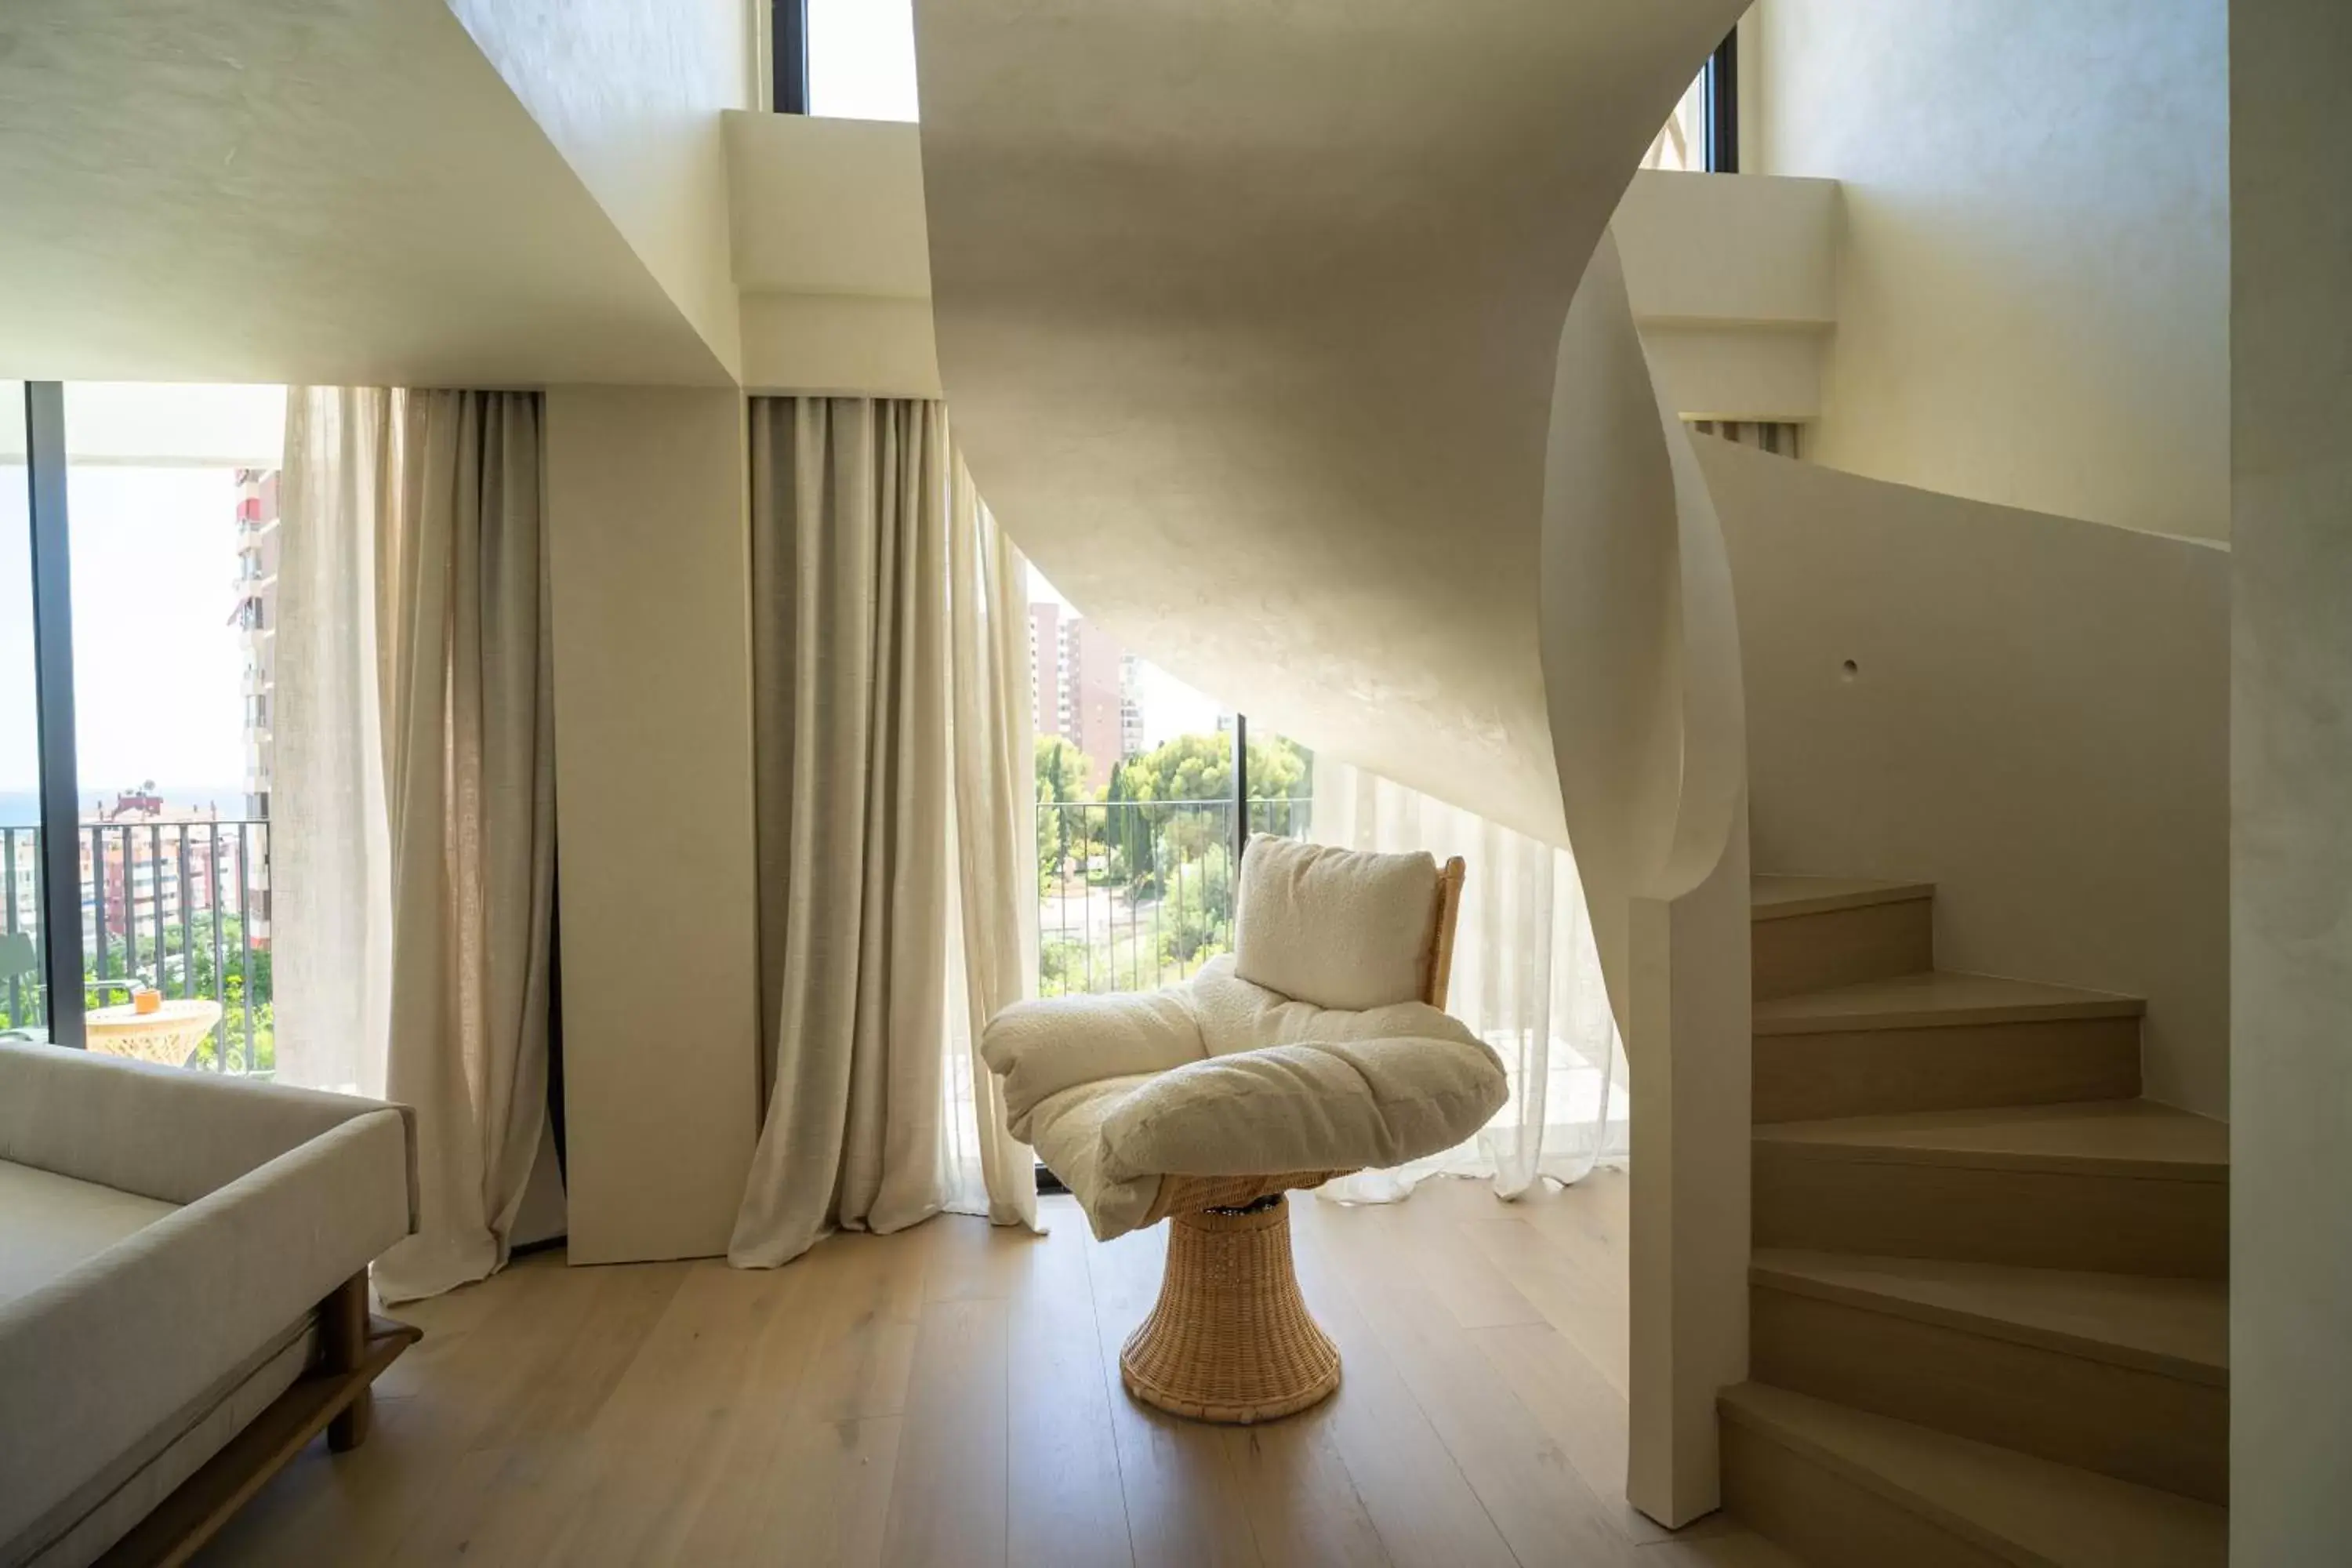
<point>146,999</point>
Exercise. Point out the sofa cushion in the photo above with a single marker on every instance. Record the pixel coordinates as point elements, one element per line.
<point>96,1359</point>
<point>77,1530</point>
<point>50,1223</point>
<point>1342,929</point>
<point>162,1132</point>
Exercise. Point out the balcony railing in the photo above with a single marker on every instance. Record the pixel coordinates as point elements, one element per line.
<point>1139,894</point>
<point>183,906</point>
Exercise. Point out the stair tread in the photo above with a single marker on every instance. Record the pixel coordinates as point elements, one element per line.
<point>1774,898</point>
<point>2179,1328</point>
<point>1933,998</point>
<point>2006,1502</point>
<point>2108,1137</point>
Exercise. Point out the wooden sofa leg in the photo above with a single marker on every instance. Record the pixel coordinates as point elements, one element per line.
<point>344,1329</point>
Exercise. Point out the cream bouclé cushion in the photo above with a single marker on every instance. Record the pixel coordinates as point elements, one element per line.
<point>1219,1077</point>
<point>1338,928</point>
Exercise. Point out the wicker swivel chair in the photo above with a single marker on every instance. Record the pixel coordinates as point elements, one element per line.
<point>1318,1047</point>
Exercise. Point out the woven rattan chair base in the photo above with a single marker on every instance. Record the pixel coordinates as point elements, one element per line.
<point>1230,1338</point>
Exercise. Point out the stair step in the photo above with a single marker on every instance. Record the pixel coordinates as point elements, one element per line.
<point>2177,1328</point>
<point>1940,1041</point>
<point>1807,932</point>
<point>1777,898</point>
<point>2115,1137</point>
<point>1845,1489</point>
<point>2118,1373</point>
<point>2126,1186</point>
<point>1936,999</point>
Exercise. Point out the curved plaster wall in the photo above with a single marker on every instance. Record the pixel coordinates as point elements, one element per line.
<point>1250,317</point>
<point>2036,719</point>
<point>1257,326</point>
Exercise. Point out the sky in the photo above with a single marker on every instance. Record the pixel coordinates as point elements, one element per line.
<point>862,58</point>
<point>151,503</point>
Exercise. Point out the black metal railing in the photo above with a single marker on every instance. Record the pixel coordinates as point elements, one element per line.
<point>1139,894</point>
<point>183,906</point>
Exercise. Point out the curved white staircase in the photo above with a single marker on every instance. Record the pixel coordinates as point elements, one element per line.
<point>1988,1311</point>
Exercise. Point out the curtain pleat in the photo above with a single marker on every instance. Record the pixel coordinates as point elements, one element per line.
<point>993,938</point>
<point>883,827</point>
<point>456,638</point>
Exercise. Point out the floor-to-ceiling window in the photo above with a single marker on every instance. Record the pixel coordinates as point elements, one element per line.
<point>848,59</point>
<point>136,687</point>
<point>1145,790</point>
<point>24,984</point>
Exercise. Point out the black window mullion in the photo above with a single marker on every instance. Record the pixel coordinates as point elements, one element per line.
<point>1241,798</point>
<point>45,467</point>
<point>1723,105</point>
<point>788,55</point>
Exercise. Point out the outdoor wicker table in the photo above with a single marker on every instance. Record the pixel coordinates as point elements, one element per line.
<point>169,1034</point>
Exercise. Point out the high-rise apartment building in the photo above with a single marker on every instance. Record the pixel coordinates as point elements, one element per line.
<point>1085,687</point>
<point>256,616</point>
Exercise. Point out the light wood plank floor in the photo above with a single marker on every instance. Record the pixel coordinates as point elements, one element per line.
<point>951,1396</point>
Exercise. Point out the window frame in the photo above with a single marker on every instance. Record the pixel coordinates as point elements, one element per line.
<point>1722,147</point>
<point>788,57</point>
<point>58,897</point>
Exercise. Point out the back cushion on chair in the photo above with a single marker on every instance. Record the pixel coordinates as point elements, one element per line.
<point>1338,928</point>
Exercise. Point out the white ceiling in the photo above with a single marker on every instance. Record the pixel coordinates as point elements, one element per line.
<point>333,191</point>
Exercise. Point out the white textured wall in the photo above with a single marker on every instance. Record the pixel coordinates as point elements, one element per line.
<point>2291,863</point>
<point>2034,287</point>
<point>650,558</point>
<point>630,91</point>
<point>2037,723</point>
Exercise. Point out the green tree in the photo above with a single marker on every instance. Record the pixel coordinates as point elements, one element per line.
<point>1200,908</point>
<point>1182,793</point>
<point>1061,781</point>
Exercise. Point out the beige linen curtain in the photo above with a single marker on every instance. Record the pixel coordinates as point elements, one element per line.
<point>1526,976</point>
<point>433,500</point>
<point>886,782</point>
<point>329,838</point>
<point>993,940</point>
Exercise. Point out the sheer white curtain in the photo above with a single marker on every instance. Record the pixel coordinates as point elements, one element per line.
<point>331,848</point>
<point>1526,977</point>
<point>414,850</point>
<point>992,937</point>
<point>892,767</point>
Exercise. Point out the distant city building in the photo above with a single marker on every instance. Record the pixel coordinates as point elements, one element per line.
<point>1131,706</point>
<point>256,616</point>
<point>1085,689</point>
<point>146,866</point>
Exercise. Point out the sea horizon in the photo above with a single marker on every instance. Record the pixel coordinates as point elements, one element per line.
<point>22,807</point>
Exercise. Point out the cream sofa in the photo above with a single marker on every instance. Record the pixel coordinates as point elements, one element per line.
<point>182,1256</point>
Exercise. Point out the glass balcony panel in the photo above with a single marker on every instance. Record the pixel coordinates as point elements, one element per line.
<point>172,496</point>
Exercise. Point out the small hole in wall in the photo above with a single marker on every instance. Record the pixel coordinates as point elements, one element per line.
<point>1848,670</point>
